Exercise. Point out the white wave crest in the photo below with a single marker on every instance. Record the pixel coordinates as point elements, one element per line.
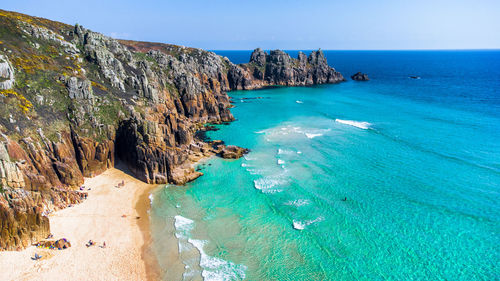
<point>357,124</point>
<point>183,226</point>
<point>298,202</point>
<point>298,101</point>
<point>213,268</point>
<point>268,184</point>
<point>255,171</point>
<point>249,158</point>
<point>216,268</point>
<point>300,225</point>
<point>311,136</point>
<point>291,131</point>
<point>284,151</point>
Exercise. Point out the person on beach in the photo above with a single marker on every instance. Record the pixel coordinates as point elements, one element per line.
<point>90,243</point>
<point>104,244</point>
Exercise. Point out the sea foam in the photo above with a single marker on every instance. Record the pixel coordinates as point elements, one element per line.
<point>268,184</point>
<point>183,226</point>
<point>216,268</point>
<point>298,202</point>
<point>213,268</point>
<point>248,158</point>
<point>284,151</point>
<point>311,136</point>
<point>290,131</point>
<point>301,225</point>
<point>357,124</point>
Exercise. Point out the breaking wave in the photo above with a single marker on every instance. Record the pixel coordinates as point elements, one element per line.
<point>311,136</point>
<point>357,124</point>
<point>269,184</point>
<point>213,268</point>
<point>216,268</point>
<point>301,225</point>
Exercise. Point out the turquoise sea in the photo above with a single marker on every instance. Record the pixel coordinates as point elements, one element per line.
<point>391,179</point>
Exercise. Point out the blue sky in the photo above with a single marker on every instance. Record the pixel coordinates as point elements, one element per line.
<point>239,25</point>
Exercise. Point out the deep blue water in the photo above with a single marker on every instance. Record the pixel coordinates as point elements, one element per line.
<point>391,179</point>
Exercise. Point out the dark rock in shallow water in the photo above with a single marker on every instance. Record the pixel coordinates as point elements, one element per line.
<point>360,77</point>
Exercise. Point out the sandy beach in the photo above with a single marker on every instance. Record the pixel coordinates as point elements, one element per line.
<point>117,216</point>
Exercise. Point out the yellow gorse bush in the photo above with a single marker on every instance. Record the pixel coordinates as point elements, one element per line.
<point>24,104</point>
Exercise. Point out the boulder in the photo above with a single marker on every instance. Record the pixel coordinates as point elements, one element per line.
<point>360,77</point>
<point>233,152</point>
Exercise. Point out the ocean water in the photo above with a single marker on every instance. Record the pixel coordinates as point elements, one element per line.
<point>391,179</point>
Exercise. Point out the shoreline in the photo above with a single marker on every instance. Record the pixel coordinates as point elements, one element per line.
<point>143,207</point>
<point>117,216</point>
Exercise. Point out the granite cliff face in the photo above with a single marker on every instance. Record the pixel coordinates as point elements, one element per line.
<point>278,68</point>
<point>72,101</point>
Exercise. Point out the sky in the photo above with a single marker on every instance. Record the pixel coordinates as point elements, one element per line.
<point>280,24</point>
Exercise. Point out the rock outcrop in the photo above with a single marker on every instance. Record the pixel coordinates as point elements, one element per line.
<point>360,77</point>
<point>278,68</point>
<point>6,74</point>
<point>73,101</point>
<point>233,152</point>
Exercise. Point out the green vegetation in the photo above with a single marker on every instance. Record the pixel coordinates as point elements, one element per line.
<point>23,104</point>
<point>52,25</point>
<point>143,56</point>
<point>172,89</point>
<point>108,112</point>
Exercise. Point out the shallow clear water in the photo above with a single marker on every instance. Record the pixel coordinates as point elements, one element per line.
<point>421,178</point>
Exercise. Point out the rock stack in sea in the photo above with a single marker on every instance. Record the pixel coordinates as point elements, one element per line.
<point>73,101</point>
<point>360,77</point>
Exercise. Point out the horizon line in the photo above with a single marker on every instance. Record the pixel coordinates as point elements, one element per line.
<point>458,49</point>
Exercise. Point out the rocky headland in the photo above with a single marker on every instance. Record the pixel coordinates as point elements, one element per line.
<point>73,101</point>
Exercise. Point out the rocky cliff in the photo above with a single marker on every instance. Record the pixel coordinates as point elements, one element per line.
<point>278,68</point>
<point>73,100</point>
